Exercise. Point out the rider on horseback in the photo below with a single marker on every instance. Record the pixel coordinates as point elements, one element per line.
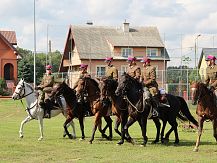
<point>46,87</point>
<point>83,74</point>
<point>112,74</point>
<point>133,70</point>
<point>111,71</point>
<point>211,74</point>
<point>149,81</point>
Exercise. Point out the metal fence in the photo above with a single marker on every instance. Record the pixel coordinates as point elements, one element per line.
<point>174,81</point>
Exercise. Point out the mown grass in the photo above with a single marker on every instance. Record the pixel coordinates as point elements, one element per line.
<point>55,148</point>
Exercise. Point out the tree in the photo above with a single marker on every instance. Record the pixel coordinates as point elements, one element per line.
<point>26,64</point>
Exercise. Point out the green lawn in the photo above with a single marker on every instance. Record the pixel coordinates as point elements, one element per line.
<point>55,148</point>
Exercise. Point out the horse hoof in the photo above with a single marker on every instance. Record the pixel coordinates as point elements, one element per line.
<point>90,142</point>
<point>155,142</point>
<point>109,138</point>
<point>165,141</point>
<point>120,142</point>
<point>70,136</point>
<point>81,139</point>
<point>64,135</point>
<point>21,136</point>
<point>40,139</point>
<point>195,149</point>
<point>142,145</point>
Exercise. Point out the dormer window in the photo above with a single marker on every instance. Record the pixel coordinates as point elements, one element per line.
<point>125,52</point>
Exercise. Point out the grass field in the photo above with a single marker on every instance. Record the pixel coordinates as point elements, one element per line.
<point>55,148</point>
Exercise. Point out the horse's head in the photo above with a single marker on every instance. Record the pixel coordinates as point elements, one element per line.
<point>107,87</point>
<point>126,84</point>
<point>198,90</point>
<point>87,85</point>
<point>21,91</point>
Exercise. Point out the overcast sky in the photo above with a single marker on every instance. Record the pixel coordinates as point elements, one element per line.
<point>178,21</point>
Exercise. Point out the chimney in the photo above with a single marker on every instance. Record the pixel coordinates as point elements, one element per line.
<point>126,27</point>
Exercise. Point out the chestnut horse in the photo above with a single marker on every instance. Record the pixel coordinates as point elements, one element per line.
<point>88,88</point>
<point>206,108</point>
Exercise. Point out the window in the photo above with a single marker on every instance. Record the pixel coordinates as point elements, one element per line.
<point>123,68</point>
<point>125,52</point>
<point>152,52</point>
<point>100,71</point>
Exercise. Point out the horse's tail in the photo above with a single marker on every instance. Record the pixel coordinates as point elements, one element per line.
<point>185,111</point>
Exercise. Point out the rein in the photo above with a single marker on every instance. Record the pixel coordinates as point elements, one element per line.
<point>133,105</point>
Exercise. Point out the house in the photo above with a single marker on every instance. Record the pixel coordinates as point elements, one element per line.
<point>92,44</point>
<point>202,60</point>
<point>8,57</point>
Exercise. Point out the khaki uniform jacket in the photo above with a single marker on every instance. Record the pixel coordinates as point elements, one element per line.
<point>111,72</point>
<point>149,79</point>
<point>47,82</point>
<point>134,71</point>
<point>82,75</point>
<point>211,76</point>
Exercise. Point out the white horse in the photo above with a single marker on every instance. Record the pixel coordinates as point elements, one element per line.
<point>34,111</point>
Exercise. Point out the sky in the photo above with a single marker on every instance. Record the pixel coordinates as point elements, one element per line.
<point>179,22</point>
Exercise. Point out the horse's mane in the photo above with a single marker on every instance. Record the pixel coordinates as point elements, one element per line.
<point>68,91</point>
<point>94,82</point>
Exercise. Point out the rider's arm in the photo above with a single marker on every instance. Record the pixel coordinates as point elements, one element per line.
<point>152,76</point>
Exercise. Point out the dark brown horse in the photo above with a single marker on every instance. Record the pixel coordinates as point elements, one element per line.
<point>108,87</point>
<point>206,109</point>
<point>88,88</point>
<point>129,92</point>
<point>75,109</point>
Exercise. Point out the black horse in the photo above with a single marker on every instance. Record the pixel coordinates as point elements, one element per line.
<point>130,90</point>
<point>75,109</point>
<point>167,114</point>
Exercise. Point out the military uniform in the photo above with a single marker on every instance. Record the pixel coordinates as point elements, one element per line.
<point>82,75</point>
<point>149,78</point>
<point>46,85</point>
<point>134,71</point>
<point>111,72</point>
<point>211,76</point>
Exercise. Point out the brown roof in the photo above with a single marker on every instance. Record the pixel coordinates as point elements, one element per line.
<point>10,36</point>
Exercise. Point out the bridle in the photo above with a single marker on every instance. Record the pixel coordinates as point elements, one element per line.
<point>23,88</point>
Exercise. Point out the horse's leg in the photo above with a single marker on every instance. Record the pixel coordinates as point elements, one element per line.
<point>214,123</point>
<point>143,124</point>
<point>68,120</point>
<point>162,132</point>
<point>27,119</point>
<point>73,129</point>
<point>96,123</point>
<point>129,123</point>
<point>124,117</point>
<point>200,129</point>
<point>109,124</point>
<point>81,122</point>
<point>174,125</point>
<point>41,127</point>
<point>157,125</point>
<point>117,124</point>
<point>69,124</point>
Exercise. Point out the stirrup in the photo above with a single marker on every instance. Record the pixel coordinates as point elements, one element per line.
<point>155,114</point>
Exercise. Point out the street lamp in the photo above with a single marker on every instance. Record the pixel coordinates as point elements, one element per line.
<point>34,48</point>
<point>90,23</point>
<point>195,52</point>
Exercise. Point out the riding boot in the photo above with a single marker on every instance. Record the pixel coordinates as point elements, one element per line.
<point>48,108</point>
<point>155,104</point>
